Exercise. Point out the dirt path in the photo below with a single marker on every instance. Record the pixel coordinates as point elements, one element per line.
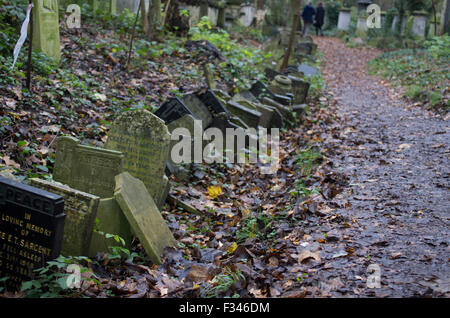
<point>395,212</point>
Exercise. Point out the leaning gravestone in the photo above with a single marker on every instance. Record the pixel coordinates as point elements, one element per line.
<point>31,230</point>
<point>172,110</point>
<point>46,28</point>
<point>250,116</point>
<point>85,168</point>
<point>199,109</point>
<point>143,215</point>
<point>266,113</point>
<point>307,70</point>
<point>300,89</point>
<point>80,209</point>
<point>214,105</point>
<point>144,140</point>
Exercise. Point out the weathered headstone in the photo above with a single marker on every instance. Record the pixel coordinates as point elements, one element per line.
<point>172,110</point>
<point>46,28</point>
<point>31,230</point>
<point>344,19</point>
<point>249,116</point>
<point>144,140</point>
<point>419,23</point>
<point>143,216</point>
<point>111,220</point>
<point>85,168</point>
<point>300,90</point>
<point>80,209</point>
<point>266,113</point>
<point>199,109</point>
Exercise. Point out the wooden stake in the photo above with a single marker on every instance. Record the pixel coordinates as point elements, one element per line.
<point>132,34</point>
<point>291,43</point>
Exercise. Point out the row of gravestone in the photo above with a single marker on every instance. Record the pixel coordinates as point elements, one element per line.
<point>119,189</point>
<point>115,190</point>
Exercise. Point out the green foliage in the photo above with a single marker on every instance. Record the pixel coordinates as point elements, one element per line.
<point>308,159</point>
<point>222,283</point>
<point>241,66</point>
<point>424,73</point>
<point>54,280</point>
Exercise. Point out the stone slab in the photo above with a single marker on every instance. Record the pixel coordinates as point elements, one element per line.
<point>143,215</point>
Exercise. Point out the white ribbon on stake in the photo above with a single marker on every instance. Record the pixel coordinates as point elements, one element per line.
<point>23,35</point>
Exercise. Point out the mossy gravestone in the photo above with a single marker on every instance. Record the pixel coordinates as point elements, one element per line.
<point>144,217</point>
<point>46,28</point>
<point>144,140</point>
<point>85,168</point>
<point>80,209</point>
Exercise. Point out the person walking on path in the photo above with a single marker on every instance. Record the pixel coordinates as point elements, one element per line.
<point>307,15</point>
<point>320,16</point>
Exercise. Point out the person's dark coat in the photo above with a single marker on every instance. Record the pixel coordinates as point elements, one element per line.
<point>320,16</point>
<point>308,12</point>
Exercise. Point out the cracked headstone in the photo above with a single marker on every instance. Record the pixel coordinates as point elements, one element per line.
<point>143,215</point>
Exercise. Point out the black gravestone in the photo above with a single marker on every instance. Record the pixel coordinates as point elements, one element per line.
<point>31,230</point>
<point>260,90</point>
<point>172,110</point>
<point>214,105</point>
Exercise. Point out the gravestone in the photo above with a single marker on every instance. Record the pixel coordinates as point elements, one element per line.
<point>344,19</point>
<point>250,116</point>
<point>172,110</point>
<point>214,105</point>
<point>143,215</point>
<point>266,113</point>
<point>260,90</point>
<point>199,109</point>
<point>85,168</point>
<point>111,220</point>
<point>307,70</point>
<point>181,170</point>
<point>284,110</point>
<point>80,209</point>
<point>419,23</point>
<point>300,90</point>
<point>31,230</point>
<point>46,28</point>
<point>144,141</point>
